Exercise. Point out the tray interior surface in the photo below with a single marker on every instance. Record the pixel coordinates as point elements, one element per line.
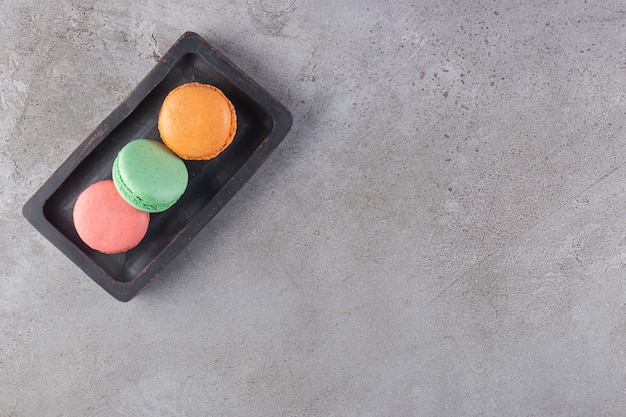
<point>206,178</point>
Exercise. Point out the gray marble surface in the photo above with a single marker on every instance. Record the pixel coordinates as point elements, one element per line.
<point>442,233</point>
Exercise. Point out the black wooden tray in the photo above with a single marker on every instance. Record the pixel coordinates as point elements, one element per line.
<point>262,122</point>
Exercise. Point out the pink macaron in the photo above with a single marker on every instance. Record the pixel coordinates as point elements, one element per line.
<point>106,222</point>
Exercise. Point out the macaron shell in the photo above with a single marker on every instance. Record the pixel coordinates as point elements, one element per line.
<point>197,121</point>
<point>149,176</point>
<point>106,222</point>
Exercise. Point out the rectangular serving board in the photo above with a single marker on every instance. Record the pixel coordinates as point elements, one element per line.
<point>262,123</point>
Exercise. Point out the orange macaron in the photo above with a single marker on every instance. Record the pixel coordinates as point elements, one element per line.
<point>197,121</point>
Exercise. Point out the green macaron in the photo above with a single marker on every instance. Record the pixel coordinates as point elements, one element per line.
<point>149,176</point>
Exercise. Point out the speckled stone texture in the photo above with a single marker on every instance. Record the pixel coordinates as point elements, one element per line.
<point>442,233</point>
